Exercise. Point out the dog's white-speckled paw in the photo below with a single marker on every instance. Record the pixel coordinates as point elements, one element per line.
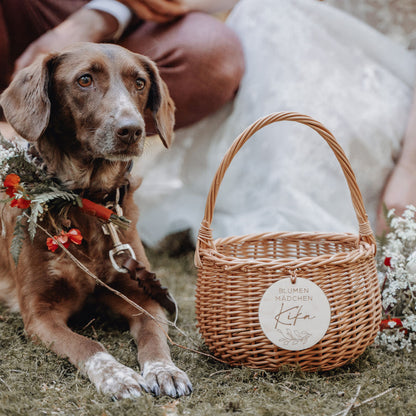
<point>113,378</point>
<point>166,379</point>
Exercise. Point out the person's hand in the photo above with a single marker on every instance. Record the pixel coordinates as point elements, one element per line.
<point>400,191</point>
<point>85,25</point>
<point>159,11</point>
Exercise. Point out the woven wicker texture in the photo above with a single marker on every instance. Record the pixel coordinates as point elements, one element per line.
<point>234,273</point>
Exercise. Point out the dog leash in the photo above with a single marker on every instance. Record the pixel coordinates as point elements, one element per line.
<point>150,284</point>
<point>137,270</point>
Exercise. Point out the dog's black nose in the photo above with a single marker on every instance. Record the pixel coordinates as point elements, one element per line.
<point>129,131</point>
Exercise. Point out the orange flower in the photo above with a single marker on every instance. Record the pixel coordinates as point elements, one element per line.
<point>21,203</point>
<point>391,323</point>
<point>11,180</point>
<point>75,236</point>
<point>11,183</point>
<point>72,236</point>
<point>52,244</point>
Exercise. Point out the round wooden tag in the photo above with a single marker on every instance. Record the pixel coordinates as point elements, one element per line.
<point>294,316</point>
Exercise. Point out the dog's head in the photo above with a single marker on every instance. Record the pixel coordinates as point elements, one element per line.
<point>95,97</point>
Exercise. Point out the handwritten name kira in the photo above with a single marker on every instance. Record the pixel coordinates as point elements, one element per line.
<point>290,316</point>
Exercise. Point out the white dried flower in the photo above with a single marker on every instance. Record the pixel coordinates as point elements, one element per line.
<point>397,277</point>
<point>5,154</point>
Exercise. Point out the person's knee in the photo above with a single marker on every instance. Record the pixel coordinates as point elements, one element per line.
<point>225,63</point>
<point>216,58</point>
<point>213,65</point>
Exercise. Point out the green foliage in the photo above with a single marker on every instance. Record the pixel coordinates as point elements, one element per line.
<point>53,194</point>
<point>36,210</point>
<point>18,238</point>
<point>56,198</point>
<point>44,192</point>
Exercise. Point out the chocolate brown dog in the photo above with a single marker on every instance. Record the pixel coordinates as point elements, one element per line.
<point>84,111</point>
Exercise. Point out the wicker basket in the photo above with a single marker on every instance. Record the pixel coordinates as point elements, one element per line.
<point>234,273</point>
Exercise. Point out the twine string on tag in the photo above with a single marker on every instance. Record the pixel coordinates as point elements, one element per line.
<point>293,276</point>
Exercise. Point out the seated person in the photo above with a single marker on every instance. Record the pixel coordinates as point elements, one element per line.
<point>198,56</point>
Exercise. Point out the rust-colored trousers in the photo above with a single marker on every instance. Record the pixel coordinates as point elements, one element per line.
<point>199,57</point>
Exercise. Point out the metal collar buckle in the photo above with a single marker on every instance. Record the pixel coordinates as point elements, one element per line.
<point>118,249</point>
<point>110,229</point>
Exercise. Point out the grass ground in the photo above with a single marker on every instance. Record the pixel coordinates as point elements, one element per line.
<point>33,381</point>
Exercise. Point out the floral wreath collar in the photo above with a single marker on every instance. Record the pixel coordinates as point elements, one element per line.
<point>29,187</point>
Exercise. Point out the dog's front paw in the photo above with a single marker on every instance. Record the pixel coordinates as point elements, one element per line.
<point>113,378</point>
<point>166,379</point>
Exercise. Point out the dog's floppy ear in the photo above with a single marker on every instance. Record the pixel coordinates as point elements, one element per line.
<point>25,102</point>
<point>160,103</point>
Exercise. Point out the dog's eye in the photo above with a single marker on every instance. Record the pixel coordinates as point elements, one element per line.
<point>85,80</point>
<point>140,83</point>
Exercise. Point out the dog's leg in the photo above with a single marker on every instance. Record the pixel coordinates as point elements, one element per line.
<point>108,375</point>
<point>161,375</point>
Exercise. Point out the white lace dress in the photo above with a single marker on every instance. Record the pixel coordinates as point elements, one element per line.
<point>303,56</point>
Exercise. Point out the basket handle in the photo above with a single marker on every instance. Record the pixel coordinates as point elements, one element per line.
<point>205,239</point>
